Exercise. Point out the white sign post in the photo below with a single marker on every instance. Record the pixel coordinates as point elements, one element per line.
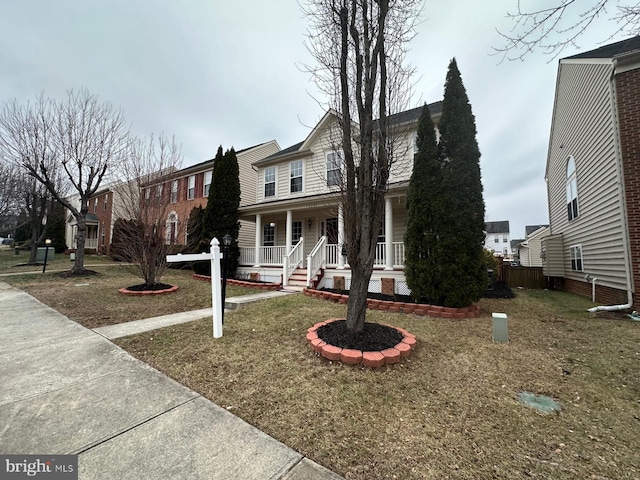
<point>216,291</point>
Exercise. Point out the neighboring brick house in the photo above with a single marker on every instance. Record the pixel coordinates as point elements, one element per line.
<point>189,188</point>
<point>593,174</point>
<point>99,222</point>
<point>497,238</point>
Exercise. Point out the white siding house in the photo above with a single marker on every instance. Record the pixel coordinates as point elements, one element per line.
<point>297,202</point>
<point>585,173</point>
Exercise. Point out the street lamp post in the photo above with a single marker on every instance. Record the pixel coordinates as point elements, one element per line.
<point>226,242</point>
<point>47,242</point>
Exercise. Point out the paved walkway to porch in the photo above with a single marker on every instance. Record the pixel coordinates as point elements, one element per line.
<point>148,324</point>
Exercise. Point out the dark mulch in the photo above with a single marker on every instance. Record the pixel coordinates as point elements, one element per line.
<point>154,287</point>
<point>373,338</point>
<point>499,290</point>
<point>78,273</point>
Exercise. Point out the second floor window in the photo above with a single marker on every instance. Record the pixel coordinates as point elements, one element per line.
<point>334,159</point>
<point>95,205</point>
<point>269,181</point>
<point>296,176</point>
<point>106,199</point>
<point>207,183</point>
<point>174,191</point>
<point>159,194</point>
<point>191,188</point>
<point>572,190</point>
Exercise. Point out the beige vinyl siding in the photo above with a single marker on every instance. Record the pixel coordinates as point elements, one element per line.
<point>248,176</point>
<point>583,128</point>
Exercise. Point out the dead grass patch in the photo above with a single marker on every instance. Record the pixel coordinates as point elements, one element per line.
<point>447,411</point>
<point>95,302</point>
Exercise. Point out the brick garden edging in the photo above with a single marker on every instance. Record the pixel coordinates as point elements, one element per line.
<point>402,307</point>
<point>241,283</point>
<point>148,292</point>
<point>357,357</point>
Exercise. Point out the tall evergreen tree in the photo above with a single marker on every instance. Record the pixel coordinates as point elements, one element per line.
<point>462,225</point>
<point>56,227</point>
<point>221,215</point>
<point>424,259</point>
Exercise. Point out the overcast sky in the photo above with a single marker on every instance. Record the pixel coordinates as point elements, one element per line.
<point>230,73</point>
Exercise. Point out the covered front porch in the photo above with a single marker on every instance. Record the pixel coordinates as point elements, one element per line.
<point>311,236</point>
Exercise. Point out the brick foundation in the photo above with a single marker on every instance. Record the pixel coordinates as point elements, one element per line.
<point>388,287</point>
<point>604,295</point>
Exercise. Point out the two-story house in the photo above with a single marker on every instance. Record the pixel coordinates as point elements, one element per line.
<point>298,213</point>
<point>185,189</point>
<point>99,222</point>
<point>189,188</point>
<point>497,238</point>
<point>530,248</point>
<point>593,175</point>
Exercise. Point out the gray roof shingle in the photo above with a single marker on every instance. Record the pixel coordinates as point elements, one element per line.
<point>611,50</point>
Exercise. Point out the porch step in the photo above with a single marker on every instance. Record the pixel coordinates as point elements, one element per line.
<point>299,278</point>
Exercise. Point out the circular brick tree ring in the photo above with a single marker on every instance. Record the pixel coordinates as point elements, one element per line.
<point>171,289</point>
<point>359,357</point>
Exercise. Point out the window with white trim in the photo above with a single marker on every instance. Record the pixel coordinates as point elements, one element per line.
<point>575,251</point>
<point>106,199</point>
<point>147,193</point>
<point>191,187</point>
<point>174,191</point>
<point>268,235</point>
<point>572,190</point>
<point>334,162</point>
<point>297,232</point>
<point>95,205</point>
<point>270,181</point>
<point>159,193</point>
<point>207,183</point>
<point>295,169</point>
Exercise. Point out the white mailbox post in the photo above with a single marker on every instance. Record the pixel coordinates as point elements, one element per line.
<point>216,292</point>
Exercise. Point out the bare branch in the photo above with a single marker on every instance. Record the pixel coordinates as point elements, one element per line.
<point>558,27</point>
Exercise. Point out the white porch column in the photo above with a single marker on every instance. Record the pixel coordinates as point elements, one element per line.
<point>388,233</point>
<point>256,260</point>
<point>289,236</point>
<point>340,236</point>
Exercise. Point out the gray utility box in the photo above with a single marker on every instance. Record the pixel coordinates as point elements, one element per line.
<point>42,251</point>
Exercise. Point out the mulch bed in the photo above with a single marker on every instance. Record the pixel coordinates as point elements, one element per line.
<point>499,290</point>
<point>81,273</point>
<point>374,337</point>
<point>153,288</point>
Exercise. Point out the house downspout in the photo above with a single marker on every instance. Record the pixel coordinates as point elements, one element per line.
<point>622,203</point>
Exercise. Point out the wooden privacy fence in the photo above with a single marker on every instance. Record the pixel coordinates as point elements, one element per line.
<point>527,277</point>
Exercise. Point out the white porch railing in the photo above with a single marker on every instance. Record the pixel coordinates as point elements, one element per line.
<point>89,243</point>
<point>272,255</point>
<point>331,257</point>
<point>398,254</point>
<point>332,253</point>
<point>316,259</point>
<point>381,257</point>
<point>291,261</point>
<point>247,255</point>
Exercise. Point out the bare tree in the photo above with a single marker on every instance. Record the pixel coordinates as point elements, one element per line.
<point>149,229</point>
<point>554,28</point>
<point>85,139</point>
<point>27,137</point>
<point>360,47</point>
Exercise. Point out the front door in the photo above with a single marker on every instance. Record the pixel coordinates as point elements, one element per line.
<point>332,231</point>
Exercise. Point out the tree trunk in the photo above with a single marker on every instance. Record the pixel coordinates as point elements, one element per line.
<point>357,304</point>
<point>81,220</point>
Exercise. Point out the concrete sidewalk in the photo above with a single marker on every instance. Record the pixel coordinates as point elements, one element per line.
<point>67,390</point>
<point>138,326</point>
